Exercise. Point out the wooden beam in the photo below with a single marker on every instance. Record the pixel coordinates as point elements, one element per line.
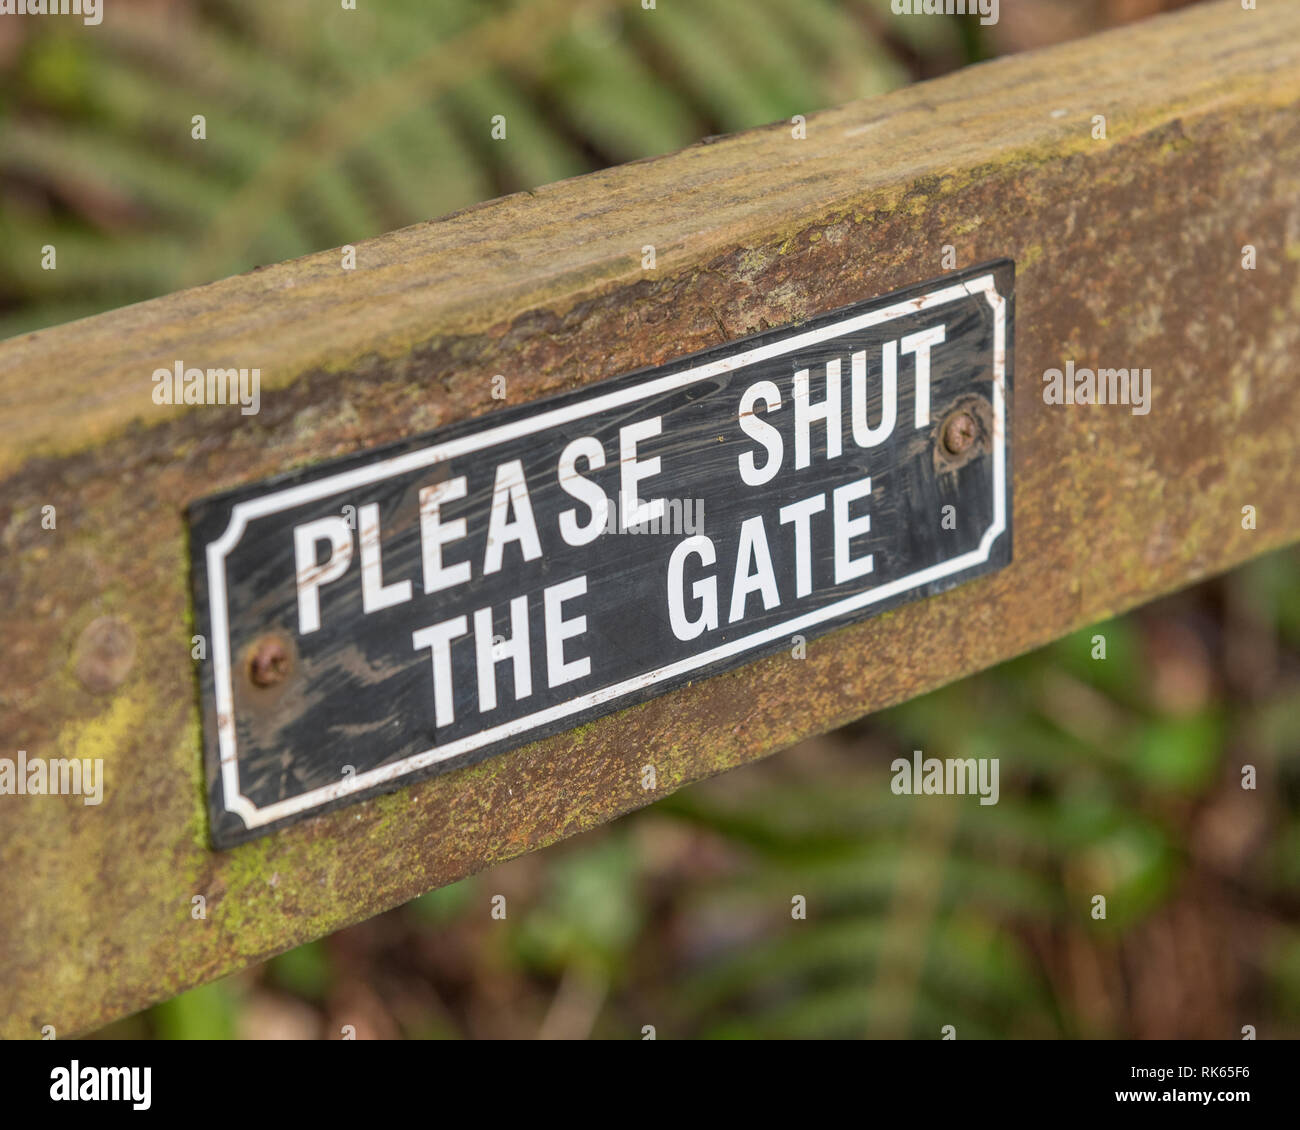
<point>1128,252</point>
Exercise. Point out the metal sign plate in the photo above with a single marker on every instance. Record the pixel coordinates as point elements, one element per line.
<point>414,609</point>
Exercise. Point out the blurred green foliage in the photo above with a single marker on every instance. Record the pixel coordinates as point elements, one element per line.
<point>205,1013</point>
<point>588,915</point>
<point>326,126</point>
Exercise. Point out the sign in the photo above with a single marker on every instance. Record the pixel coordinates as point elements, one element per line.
<point>416,608</point>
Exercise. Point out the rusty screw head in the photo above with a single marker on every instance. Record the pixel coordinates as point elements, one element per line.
<point>269,663</point>
<point>959,433</point>
<point>104,654</point>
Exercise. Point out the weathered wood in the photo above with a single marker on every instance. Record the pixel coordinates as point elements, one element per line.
<point>1128,253</point>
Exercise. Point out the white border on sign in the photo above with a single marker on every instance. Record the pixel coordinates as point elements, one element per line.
<point>244,512</point>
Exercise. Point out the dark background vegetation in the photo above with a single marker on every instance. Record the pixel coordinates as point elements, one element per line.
<point>1120,776</point>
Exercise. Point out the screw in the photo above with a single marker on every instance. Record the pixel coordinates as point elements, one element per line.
<point>104,654</point>
<point>959,433</point>
<point>269,663</point>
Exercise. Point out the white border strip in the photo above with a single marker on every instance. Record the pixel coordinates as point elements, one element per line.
<point>244,512</point>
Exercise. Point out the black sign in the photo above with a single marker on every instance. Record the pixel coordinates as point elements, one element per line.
<point>416,608</point>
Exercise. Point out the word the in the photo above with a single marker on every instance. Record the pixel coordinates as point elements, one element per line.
<point>490,649</point>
